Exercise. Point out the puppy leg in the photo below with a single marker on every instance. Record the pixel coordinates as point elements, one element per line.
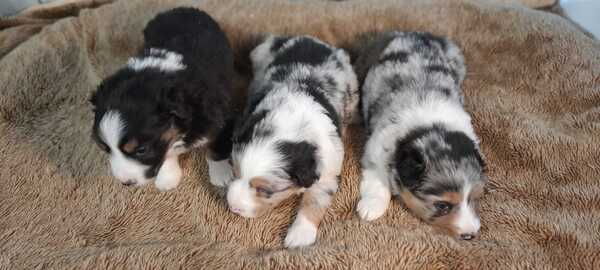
<point>375,195</point>
<point>219,171</point>
<point>313,206</point>
<point>219,168</point>
<point>169,174</point>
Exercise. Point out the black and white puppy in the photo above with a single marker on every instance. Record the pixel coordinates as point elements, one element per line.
<point>421,143</point>
<point>173,96</point>
<point>289,141</point>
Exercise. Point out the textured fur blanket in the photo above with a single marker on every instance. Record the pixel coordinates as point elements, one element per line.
<point>532,86</point>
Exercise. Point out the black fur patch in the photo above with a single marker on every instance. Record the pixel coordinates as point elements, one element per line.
<point>408,161</point>
<point>314,89</point>
<point>301,162</point>
<point>330,81</point>
<point>443,69</point>
<point>221,147</point>
<point>243,133</point>
<point>395,82</point>
<point>306,51</point>
<point>280,74</point>
<point>377,106</point>
<point>428,39</point>
<point>441,188</point>
<point>447,92</point>
<point>256,97</point>
<point>462,146</point>
<point>400,57</point>
<point>278,43</point>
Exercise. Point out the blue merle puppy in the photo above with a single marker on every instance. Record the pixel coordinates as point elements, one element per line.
<point>289,141</point>
<point>421,143</point>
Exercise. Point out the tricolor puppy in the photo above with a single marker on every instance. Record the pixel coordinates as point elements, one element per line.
<point>170,98</point>
<point>421,143</point>
<point>289,141</point>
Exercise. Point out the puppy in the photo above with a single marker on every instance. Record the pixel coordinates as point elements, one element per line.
<point>289,141</point>
<point>421,143</point>
<point>173,96</point>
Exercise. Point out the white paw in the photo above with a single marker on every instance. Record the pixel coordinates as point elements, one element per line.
<point>302,233</point>
<point>169,175</point>
<point>220,172</point>
<point>371,208</point>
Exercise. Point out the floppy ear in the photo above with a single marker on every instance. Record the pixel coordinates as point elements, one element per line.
<point>301,161</point>
<point>175,101</point>
<point>410,165</point>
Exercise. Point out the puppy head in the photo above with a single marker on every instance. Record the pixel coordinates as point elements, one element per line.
<point>141,117</point>
<point>441,179</point>
<point>287,171</point>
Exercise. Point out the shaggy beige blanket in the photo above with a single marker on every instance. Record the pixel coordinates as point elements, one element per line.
<point>533,88</point>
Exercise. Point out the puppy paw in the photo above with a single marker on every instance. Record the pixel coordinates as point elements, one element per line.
<point>168,176</point>
<point>371,208</point>
<point>302,233</point>
<point>220,172</point>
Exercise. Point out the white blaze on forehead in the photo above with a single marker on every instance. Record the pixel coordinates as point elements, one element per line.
<point>468,220</point>
<point>111,130</point>
<point>160,59</point>
<point>240,196</point>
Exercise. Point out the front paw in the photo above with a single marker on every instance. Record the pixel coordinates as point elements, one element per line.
<point>301,234</point>
<point>371,208</point>
<point>219,172</point>
<point>168,176</point>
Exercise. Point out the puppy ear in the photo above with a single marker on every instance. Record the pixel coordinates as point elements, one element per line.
<point>409,165</point>
<point>176,102</point>
<point>301,162</point>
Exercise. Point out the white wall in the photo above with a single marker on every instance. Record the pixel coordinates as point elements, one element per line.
<point>585,12</point>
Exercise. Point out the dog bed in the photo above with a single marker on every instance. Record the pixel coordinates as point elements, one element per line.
<point>532,86</point>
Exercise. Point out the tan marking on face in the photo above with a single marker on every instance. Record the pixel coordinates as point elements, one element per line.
<point>262,201</point>
<point>446,223</point>
<point>311,209</point>
<point>455,198</point>
<point>259,183</point>
<point>130,146</point>
<point>170,135</point>
<point>416,205</point>
<point>426,211</point>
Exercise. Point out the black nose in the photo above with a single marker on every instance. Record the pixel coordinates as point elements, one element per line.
<point>128,182</point>
<point>467,236</point>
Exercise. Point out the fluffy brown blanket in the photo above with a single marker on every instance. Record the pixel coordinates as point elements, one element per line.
<point>533,88</point>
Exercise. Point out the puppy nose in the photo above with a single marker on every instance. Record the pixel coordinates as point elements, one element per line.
<point>235,210</point>
<point>128,182</point>
<point>467,236</point>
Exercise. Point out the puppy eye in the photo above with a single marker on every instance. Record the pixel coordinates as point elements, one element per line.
<point>140,151</point>
<point>264,192</point>
<point>102,146</point>
<point>442,208</point>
